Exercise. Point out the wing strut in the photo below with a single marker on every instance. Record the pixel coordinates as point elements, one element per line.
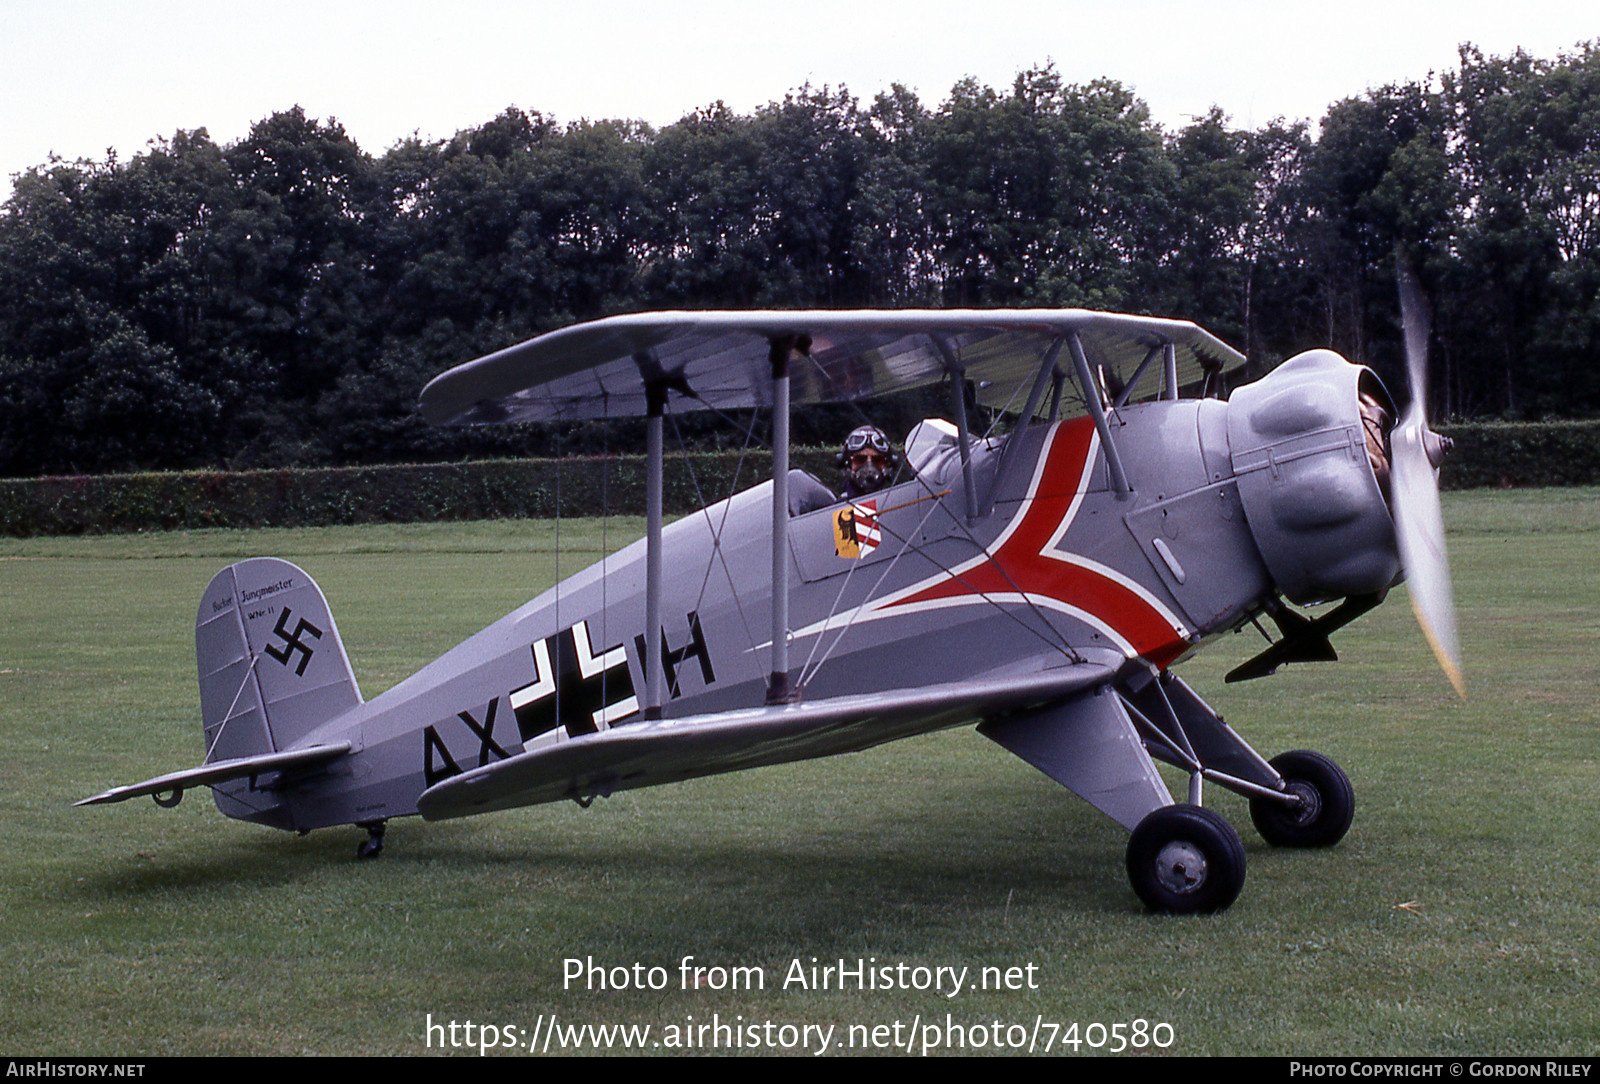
<point>1097,411</point>
<point>654,674</point>
<point>656,385</point>
<point>782,349</point>
<point>1057,380</point>
<point>1008,455</point>
<point>958,407</point>
<point>1138,374</point>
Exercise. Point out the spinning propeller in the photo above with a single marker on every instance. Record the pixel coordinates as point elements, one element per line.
<point>1415,454</point>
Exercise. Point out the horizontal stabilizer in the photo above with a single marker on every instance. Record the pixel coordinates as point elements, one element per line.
<point>221,771</point>
<point>648,753</point>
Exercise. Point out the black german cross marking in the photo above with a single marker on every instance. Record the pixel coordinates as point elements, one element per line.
<point>671,660</point>
<point>292,641</point>
<point>580,686</point>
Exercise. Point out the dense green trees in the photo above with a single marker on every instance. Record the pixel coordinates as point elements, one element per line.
<point>282,299</point>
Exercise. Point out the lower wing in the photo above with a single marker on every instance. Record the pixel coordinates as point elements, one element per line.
<point>669,750</point>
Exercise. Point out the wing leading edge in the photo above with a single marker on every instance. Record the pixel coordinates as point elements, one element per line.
<point>647,754</point>
<point>598,369</point>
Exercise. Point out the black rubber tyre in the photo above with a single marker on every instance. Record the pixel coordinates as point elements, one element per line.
<point>1329,803</point>
<point>1184,859</point>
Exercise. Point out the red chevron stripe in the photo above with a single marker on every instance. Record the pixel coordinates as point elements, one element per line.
<point>1025,560</point>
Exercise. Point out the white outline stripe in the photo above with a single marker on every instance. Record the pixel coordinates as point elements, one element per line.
<point>544,679</point>
<point>889,606</point>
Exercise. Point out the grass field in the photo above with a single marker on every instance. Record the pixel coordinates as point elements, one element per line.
<point>1458,917</point>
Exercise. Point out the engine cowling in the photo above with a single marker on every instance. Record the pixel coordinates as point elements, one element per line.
<point>1312,474</point>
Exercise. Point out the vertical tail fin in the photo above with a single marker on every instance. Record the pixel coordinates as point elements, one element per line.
<point>272,669</point>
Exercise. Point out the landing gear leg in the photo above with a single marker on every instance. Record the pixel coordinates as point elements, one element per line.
<point>372,846</point>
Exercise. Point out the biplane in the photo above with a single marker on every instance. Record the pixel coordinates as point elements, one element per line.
<point>1042,583</point>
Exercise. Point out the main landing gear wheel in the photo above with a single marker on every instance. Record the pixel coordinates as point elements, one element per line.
<point>1185,859</point>
<point>1327,803</point>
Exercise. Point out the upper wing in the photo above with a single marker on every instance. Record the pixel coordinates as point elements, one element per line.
<point>221,771</point>
<point>598,369</point>
<point>645,754</point>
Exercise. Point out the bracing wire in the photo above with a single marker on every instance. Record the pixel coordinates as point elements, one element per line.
<point>560,449</point>
<point>228,716</point>
<point>718,556</point>
<point>810,671</point>
<point>605,556</point>
<point>1001,413</point>
<point>1058,641</point>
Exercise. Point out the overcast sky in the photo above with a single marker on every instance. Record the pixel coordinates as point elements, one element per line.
<point>80,76</point>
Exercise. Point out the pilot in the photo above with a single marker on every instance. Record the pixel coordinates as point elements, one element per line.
<point>866,462</point>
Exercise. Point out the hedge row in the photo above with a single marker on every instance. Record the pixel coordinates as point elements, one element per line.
<point>102,504</point>
<point>1526,454</point>
<point>1522,455</point>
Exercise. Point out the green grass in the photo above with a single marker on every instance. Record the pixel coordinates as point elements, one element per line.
<point>1458,917</point>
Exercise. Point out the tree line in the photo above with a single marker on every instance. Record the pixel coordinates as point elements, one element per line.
<point>281,300</point>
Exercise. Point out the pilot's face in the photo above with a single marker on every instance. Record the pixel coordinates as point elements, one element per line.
<point>868,458</point>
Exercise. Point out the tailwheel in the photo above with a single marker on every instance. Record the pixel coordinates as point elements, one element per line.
<point>1184,859</point>
<point>1327,803</point>
<point>372,846</point>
